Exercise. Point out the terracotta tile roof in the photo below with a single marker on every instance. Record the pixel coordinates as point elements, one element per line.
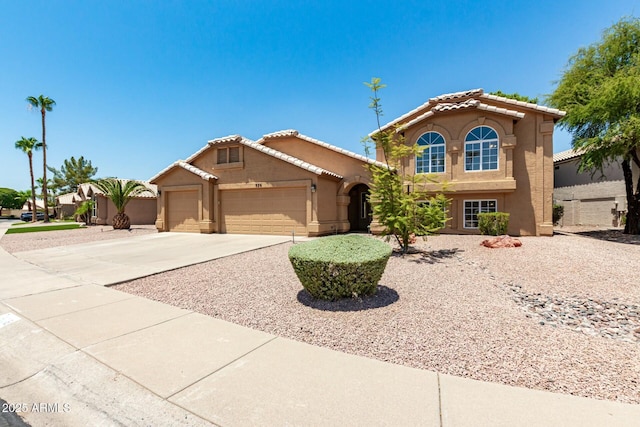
<point>189,167</point>
<point>453,106</point>
<point>66,199</point>
<point>87,187</point>
<point>293,132</point>
<point>197,153</point>
<point>456,95</point>
<point>565,155</point>
<point>542,108</point>
<point>467,99</point>
<point>275,153</point>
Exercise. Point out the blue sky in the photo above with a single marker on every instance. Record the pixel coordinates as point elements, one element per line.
<point>140,84</point>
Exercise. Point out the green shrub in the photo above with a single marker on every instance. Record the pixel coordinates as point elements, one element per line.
<point>493,223</point>
<point>343,266</point>
<point>558,213</point>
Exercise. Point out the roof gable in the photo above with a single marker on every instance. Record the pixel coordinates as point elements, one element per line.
<point>186,166</point>
<point>471,99</point>
<point>296,134</point>
<point>274,153</point>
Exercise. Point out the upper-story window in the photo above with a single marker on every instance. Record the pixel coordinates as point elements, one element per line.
<point>228,155</point>
<point>481,149</point>
<point>431,160</point>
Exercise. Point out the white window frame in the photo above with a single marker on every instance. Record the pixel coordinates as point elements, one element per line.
<point>480,210</point>
<point>481,141</point>
<point>427,148</point>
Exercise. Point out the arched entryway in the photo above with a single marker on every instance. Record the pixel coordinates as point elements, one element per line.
<point>359,208</point>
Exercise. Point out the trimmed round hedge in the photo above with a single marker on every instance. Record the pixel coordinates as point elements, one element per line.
<point>343,266</point>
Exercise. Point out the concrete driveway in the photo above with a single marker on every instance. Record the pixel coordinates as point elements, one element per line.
<point>115,261</point>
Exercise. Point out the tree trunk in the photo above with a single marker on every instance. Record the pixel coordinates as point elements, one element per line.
<point>121,222</point>
<point>34,209</point>
<point>632,225</point>
<point>44,173</point>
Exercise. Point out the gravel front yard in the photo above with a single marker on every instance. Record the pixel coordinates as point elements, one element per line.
<point>558,314</point>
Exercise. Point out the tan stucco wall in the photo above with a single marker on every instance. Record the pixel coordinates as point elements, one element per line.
<point>523,182</point>
<point>256,170</point>
<point>341,164</point>
<point>140,211</point>
<point>180,179</point>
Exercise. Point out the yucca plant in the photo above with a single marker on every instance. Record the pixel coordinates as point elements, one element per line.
<point>120,192</point>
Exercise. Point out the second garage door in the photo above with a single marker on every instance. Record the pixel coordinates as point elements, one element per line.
<point>264,211</point>
<point>182,211</point>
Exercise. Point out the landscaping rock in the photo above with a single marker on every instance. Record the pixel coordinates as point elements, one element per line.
<point>504,241</point>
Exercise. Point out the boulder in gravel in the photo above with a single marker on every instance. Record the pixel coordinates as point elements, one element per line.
<point>504,241</point>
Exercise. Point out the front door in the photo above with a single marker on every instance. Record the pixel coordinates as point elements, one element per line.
<point>359,208</point>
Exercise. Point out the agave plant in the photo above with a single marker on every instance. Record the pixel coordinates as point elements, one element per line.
<point>120,192</point>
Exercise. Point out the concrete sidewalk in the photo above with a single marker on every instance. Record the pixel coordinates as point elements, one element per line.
<point>77,353</point>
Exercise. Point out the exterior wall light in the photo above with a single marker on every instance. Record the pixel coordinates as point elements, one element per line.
<point>313,188</point>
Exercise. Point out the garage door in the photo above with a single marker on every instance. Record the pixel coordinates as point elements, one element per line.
<point>264,211</point>
<point>182,211</point>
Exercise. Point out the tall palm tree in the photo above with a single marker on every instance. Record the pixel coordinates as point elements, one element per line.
<point>28,145</point>
<point>44,104</point>
<point>120,192</point>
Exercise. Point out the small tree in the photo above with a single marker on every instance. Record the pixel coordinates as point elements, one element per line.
<point>44,104</point>
<point>28,146</point>
<point>600,92</point>
<point>515,96</point>
<point>120,192</point>
<point>398,197</point>
<point>72,173</point>
<point>11,199</point>
<point>84,211</point>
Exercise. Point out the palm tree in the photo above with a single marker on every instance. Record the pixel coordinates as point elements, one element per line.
<point>44,104</point>
<point>28,145</point>
<point>120,192</point>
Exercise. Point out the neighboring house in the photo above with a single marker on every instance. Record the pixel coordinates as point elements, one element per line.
<point>25,208</point>
<point>496,154</point>
<point>66,205</point>
<point>588,199</point>
<point>141,209</point>
<point>281,184</point>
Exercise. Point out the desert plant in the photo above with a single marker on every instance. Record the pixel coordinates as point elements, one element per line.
<point>28,146</point>
<point>399,198</point>
<point>120,192</point>
<point>342,266</point>
<point>493,223</point>
<point>84,211</point>
<point>45,104</point>
<point>558,213</point>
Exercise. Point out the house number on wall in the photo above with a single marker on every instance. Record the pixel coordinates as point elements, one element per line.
<point>258,185</point>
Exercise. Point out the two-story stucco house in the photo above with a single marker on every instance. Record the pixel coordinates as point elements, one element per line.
<point>495,153</point>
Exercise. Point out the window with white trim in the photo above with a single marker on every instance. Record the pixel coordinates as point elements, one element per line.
<point>481,149</point>
<point>94,208</point>
<point>432,157</point>
<point>473,207</point>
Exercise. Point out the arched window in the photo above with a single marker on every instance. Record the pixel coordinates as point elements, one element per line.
<point>431,160</point>
<point>481,149</point>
